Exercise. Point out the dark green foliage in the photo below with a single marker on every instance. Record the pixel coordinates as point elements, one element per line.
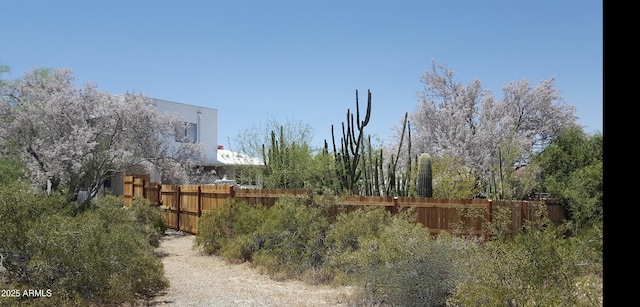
<point>572,172</point>
<point>96,257</point>
<point>425,180</point>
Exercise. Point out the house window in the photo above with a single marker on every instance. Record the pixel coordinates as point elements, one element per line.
<point>187,133</point>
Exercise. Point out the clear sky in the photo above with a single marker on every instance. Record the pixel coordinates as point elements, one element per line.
<point>303,60</point>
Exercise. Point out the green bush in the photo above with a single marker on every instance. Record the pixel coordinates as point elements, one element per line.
<point>393,260</point>
<point>285,240</point>
<point>572,172</point>
<point>149,220</point>
<point>346,236</point>
<point>538,267</point>
<point>292,238</point>
<point>214,230</point>
<point>21,210</point>
<point>419,270</point>
<point>97,257</point>
<point>229,231</point>
<point>247,219</point>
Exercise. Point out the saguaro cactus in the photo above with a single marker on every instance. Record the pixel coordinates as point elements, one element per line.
<point>424,186</point>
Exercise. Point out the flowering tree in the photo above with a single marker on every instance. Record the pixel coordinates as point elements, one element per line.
<point>469,124</point>
<point>75,138</point>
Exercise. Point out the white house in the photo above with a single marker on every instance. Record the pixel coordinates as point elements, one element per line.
<point>201,127</point>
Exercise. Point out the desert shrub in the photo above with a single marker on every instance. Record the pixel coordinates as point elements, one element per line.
<point>149,220</point>
<point>97,257</point>
<point>109,201</point>
<point>285,240</point>
<point>213,229</point>
<point>346,236</point>
<point>538,267</point>
<point>20,210</point>
<point>247,219</point>
<point>572,172</point>
<point>500,226</point>
<point>229,230</point>
<point>419,270</point>
<point>292,238</point>
<point>393,260</point>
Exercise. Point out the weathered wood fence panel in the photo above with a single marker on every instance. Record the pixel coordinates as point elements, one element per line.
<point>152,192</point>
<point>434,213</point>
<point>214,196</point>
<point>190,208</point>
<point>169,205</point>
<point>183,205</point>
<point>134,185</point>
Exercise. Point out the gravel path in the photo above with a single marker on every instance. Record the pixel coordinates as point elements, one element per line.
<point>202,280</point>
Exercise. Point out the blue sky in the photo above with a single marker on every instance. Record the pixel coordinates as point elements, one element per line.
<point>303,60</point>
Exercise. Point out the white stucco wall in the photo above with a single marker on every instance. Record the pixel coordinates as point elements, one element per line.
<point>206,120</point>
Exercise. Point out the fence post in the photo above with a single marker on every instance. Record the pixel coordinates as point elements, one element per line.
<point>395,205</point>
<point>489,213</point>
<point>232,195</point>
<point>159,194</point>
<point>199,201</point>
<point>178,209</point>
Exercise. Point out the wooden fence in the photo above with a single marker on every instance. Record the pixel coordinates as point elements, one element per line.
<point>461,216</point>
<point>183,205</point>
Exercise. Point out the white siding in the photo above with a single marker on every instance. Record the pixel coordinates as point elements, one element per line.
<point>205,121</point>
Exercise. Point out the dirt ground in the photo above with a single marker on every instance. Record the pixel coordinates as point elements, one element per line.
<point>203,280</point>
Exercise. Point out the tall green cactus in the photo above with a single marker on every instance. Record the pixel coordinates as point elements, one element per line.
<point>352,147</point>
<point>360,169</point>
<point>424,188</point>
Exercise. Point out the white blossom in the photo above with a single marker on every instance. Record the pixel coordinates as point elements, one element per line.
<point>79,137</point>
<point>467,122</point>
